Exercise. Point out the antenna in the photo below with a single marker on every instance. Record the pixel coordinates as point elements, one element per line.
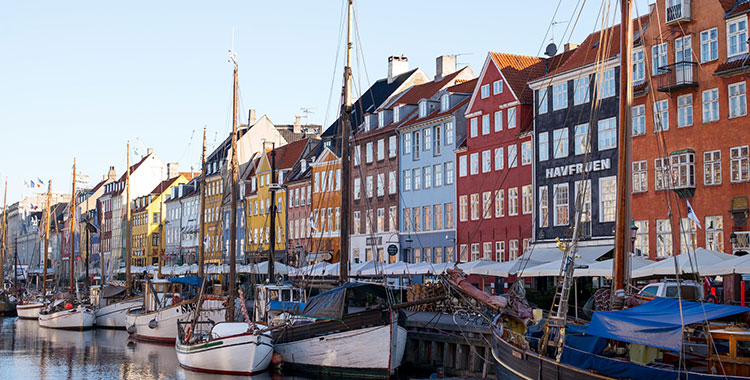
<point>306,111</point>
<point>552,34</point>
<point>233,53</point>
<point>458,55</point>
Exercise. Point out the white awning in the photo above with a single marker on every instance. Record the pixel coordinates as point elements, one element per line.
<point>686,263</point>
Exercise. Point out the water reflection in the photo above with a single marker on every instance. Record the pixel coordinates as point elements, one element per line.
<point>30,352</point>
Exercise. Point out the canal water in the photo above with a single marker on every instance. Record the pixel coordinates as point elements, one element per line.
<point>30,352</point>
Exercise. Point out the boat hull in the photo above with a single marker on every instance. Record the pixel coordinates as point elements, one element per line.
<point>29,310</point>
<point>241,354</point>
<point>163,329</point>
<point>113,316</point>
<point>79,318</point>
<point>366,352</point>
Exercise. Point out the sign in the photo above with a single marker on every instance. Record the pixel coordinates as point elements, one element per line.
<point>377,240</point>
<point>566,170</point>
<point>393,250</point>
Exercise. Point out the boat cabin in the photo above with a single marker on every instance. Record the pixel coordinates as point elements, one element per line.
<point>729,351</point>
<point>272,300</point>
<point>162,293</point>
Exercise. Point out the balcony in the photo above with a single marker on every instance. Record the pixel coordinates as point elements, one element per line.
<point>740,242</point>
<point>678,11</point>
<point>675,77</point>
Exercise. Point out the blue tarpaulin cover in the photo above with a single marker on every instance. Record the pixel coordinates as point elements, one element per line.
<point>656,323</point>
<point>187,280</point>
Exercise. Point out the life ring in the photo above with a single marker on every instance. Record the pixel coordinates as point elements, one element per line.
<point>188,333</point>
<point>176,299</point>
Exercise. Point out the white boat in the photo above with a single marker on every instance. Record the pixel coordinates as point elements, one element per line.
<point>111,307</point>
<point>231,348</point>
<point>29,310</point>
<point>163,307</point>
<point>64,315</point>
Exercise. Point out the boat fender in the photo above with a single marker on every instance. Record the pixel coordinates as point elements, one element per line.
<point>152,324</point>
<point>176,299</point>
<point>68,306</point>
<point>277,359</point>
<point>131,329</point>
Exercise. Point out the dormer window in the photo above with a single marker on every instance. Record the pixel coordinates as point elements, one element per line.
<point>422,108</point>
<point>367,123</point>
<point>445,102</point>
<point>381,119</point>
<point>303,165</point>
<point>396,114</point>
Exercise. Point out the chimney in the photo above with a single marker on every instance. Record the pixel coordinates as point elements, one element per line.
<point>397,66</point>
<point>173,169</point>
<point>251,118</point>
<point>297,124</point>
<point>569,46</point>
<point>444,65</point>
<point>112,174</point>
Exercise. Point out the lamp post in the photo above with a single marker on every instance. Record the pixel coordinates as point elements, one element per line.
<point>633,233</point>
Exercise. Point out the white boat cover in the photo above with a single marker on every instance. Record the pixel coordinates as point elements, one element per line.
<point>735,265</point>
<point>224,329</point>
<point>687,263</point>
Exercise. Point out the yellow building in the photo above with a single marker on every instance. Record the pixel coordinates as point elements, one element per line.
<point>258,199</point>
<point>147,220</point>
<point>214,195</point>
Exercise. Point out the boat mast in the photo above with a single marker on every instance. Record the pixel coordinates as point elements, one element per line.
<point>46,239</point>
<point>202,185</point>
<point>233,206</point>
<point>272,243</point>
<point>345,122</point>
<point>624,153</point>
<point>4,232</point>
<point>72,231</point>
<point>127,224</point>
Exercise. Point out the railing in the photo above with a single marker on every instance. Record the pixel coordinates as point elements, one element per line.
<point>679,12</point>
<point>676,76</point>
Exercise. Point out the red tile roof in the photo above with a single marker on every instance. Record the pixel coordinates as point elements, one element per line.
<point>466,87</point>
<point>287,155</point>
<point>518,70</point>
<point>435,114</point>
<point>426,90</point>
<point>732,64</point>
<point>163,185</point>
<point>739,9</point>
<point>727,4</point>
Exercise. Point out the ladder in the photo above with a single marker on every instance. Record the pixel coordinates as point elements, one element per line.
<point>554,328</point>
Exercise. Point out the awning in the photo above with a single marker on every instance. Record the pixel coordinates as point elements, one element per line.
<point>686,263</point>
<point>540,262</point>
<point>657,323</point>
<point>735,265</point>
<point>604,268</point>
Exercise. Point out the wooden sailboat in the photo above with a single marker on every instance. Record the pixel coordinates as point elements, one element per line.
<point>369,342</point>
<point>7,300</point>
<point>29,309</point>
<point>69,313</point>
<point>237,348</point>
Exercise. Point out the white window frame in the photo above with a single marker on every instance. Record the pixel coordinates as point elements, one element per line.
<point>559,205</point>
<point>709,40</point>
<point>485,91</point>
<point>737,99</point>
<point>684,110</point>
<point>543,146</point>
<point>497,87</point>
<point>559,96</point>
<point>607,202</point>
<point>710,101</point>
<point>738,37</point>
<point>581,93</point>
<point>661,115</point>
<point>712,168</point>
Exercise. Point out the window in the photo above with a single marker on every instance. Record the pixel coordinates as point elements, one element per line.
<point>559,96</point>
<point>710,105</point>
<point>437,141</point>
<point>417,178</point>
<point>543,146</point>
<point>357,155</point>
<point>499,203</point>
<point>461,166</point>
<point>737,100</point>
<point>381,184</point>
<point>474,166</point>
<point>527,199</point>
<point>381,119</point>
<point>639,66</point>
<point>499,251</point>
<point>423,108</point>
<point>608,198</point>
<point>417,212</point>
<point>685,110</point>
<point>381,150</point>
<point>316,182</point>
<point>448,133</point>
<point>427,170</point>
<point>487,204</point>
<point>357,187</point>
<point>464,253</point>
<point>473,127</point>
<point>511,118</point>
<point>560,141</point>
<point>499,159</point>
<point>526,153</point>
<point>486,124</point>
<point>407,143</point>
<point>498,121</point>
<point>392,146</point>
<point>607,133</point>
<point>475,206</point>
<point>381,220</point>
<point>438,255</point>
<point>497,87</point>
<point>709,45</point>
<point>715,233</point>
<point>513,201</point>
<point>562,203</point>
<point>639,120</point>
<point>438,214</point>
<point>688,235</point>
<point>448,215</point>
<point>487,251</point>
<point>392,182</point>
<point>486,161</point>
<point>683,170</point>
<point>485,91</point>
<point>541,100</point>
<point>449,171</point>
<point>445,102</point>
<point>396,114</point>
<point>368,222</point>
<point>543,207</point>
<point>407,220</point>
<point>392,218</point>
<point>712,168</point>
<point>415,146</point>
<point>475,252</point>
<point>739,164</point>
<point>368,152</point>
<point>662,174</point>
<point>338,179</point>
<point>737,36</point>
<point>427,138</point>
<point>641,237</point>
<point>368,186</point>
<point>580,144</point>
<point>661,115</point>
<point>658,58</point>
<point>683,52</point>
<point>607,85</point>
<point>512,156</point>
<point>407,180</point>
<point>513,250</point>
<point>438,170</point>
<point>585,202</point>
<point>581,92</point>
<point>663,238</point>
<point>640,176</point>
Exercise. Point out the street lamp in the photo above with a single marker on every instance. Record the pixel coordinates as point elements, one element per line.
<point>633,232</point>
<point>733,239</point>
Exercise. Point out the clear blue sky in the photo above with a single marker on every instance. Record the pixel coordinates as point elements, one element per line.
<point>81,78</point>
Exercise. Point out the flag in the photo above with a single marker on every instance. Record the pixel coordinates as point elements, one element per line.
<point>39,180</point>
<point>32,184</point>
<point>26,183</point>
<point>312,224</point>
<point>205,242</point>
<point>691,214</point>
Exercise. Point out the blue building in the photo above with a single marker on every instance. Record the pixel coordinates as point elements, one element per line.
<point>428,171</point>
<point>225,226</point>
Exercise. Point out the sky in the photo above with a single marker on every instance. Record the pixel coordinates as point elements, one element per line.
<point>82,78</point>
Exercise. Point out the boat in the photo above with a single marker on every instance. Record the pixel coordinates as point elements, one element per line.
<point>164,305</point>
<point>67,314</point>
<point>112,305</point>
<point>29,310</point>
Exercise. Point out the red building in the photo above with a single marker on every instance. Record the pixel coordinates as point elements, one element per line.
<point>494,189</point>
<point>690,126</point>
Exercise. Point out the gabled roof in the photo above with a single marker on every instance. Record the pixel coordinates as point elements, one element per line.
<point>728,4</point>
<point>465,87</point>
<point>518,70</point>
<point>289,154</point>
<point>98,186</point>
<point>437,113</point>
<point>735,7</point>
<point>133,168</point>
<point>164,185</point>
<point>426,90</point>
